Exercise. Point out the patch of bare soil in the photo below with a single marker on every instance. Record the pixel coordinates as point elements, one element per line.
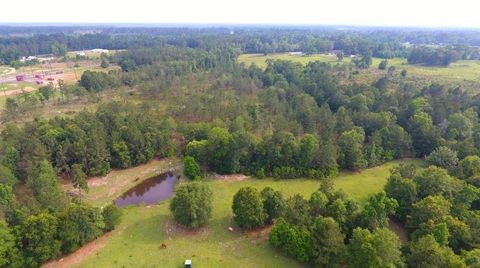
<point>232,177</point>
<point>259,234</point>
<point>79,255</point>
<point>172,228</point>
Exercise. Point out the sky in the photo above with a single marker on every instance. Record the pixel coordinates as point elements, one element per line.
<point>416,13</point>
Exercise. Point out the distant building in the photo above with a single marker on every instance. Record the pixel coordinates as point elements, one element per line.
<point>80,53</point>
<point>295,53</point>
<point>99,50</point>
<point>29,58</point>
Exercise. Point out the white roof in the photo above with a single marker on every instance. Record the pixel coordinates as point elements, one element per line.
<point>188,262</point>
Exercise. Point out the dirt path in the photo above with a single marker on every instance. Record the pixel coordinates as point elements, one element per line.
<point>79,255</point>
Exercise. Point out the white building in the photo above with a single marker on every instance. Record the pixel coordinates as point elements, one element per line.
<point>99,50</point>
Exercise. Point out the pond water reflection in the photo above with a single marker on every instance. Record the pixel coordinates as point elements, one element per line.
<point>149,191</point>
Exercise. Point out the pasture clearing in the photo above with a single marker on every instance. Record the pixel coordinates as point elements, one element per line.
<point>136,242</point>
<point>6,70</point>
<point>460,71</point>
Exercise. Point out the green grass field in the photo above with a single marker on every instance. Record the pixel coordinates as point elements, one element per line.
<point>465,70</point>
<point>136,242</point>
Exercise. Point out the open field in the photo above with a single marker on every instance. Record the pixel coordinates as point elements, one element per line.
<point>136,242</point>
<point>91,54</point>
<point>4,70</point>
<point>464,70</point>
<point>57,71</point>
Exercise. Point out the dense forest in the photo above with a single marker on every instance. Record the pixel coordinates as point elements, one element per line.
<point>286,121</point>
<point>382,43</point>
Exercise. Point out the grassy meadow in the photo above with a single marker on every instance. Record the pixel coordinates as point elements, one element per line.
<point>460,71</point>
<point>6,70</point>
<point>136,242</point>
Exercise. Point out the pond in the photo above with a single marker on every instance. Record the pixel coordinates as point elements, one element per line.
<point>149,191</point>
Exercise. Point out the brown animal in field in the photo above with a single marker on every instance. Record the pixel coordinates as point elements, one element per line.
<point>163,246</point>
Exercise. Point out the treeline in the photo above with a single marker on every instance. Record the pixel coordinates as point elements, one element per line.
<point>13,48</point>
<point>45,223</point>
<point>46,235</point>
<point>441,56</point>
<point>380,43</point>
<point>440,213</point>
<point>116,135</point>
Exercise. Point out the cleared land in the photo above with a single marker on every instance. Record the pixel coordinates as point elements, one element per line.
<point>464,70</point>
<point>4,70</point>
<point>136,242</point>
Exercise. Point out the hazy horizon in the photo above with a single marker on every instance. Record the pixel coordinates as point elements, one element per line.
<point>376,13</point>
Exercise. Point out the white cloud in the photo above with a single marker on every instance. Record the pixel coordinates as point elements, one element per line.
<point>460,13</point>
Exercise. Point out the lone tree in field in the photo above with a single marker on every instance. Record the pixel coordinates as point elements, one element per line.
<point>191,168</point>
<point>192,204</point>
<point>248,210</point>
<point>383,64</point>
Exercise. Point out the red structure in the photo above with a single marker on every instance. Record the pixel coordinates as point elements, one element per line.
<point>20,78</point>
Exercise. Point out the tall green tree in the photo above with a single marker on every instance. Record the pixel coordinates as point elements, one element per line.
<point>427,252</point>
<point>328,241</point>
<point>222,152</point>
<point>380,248</point>
<point>434,208</point>
<point>7,176</point>
<point>111,217</point>
<point>191,169</point>
<point>325,157</point>
<point>79,178</point>
<point>248,209</point>
<point>424,134</point>
<point>404,190</point>
<point>273,202</point>
<point>192,204</point>
<point>46,188</point>
<point>468,167</point>
<point>350,146</point>
<point>79,224</point>
<point>10,256</point>
<point>436,181</point>
<point>443,157</point>
<point>376,211</point>
<point>296,241</point>
<point>38,239</point>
